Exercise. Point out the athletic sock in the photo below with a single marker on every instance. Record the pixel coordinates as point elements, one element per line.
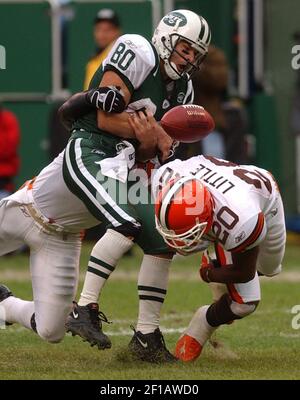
<point>17,310</point>
<point>104,257</point>
<point>199,328</point>
<point>152,289</point>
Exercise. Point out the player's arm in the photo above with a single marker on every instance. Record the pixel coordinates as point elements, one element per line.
<point>117,124</point>
<point>244,255</point>
<point>147,131</point>
<point>144,128</point>
<point>109,99</point>
<point>241,270</point>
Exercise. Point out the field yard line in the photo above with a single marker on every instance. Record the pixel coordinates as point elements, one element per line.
<point>129,332</point>
<point>188,276</point>
<point>119,332</point>
<point>166,317</point>
<point>289,335</point>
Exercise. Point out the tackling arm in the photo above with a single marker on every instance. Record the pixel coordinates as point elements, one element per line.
<point>153,138</point>
<point>109,99</point>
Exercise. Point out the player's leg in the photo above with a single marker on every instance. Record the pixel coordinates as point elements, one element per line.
<point>15,225</point>
<point>86,319</point>
<point>240,301</point>
<point>271,250</point>
<point>54,271</point>
<point>148,343</point>
<point>54,263</point>
<point>107,200</point>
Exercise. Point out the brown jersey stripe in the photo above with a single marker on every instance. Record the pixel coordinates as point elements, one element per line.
<point>254,235</point>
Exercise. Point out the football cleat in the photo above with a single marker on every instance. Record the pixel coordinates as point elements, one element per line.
<point>4,294</point>
<point>187,348</point>
<point>86,322</point>
<point>150,347</point>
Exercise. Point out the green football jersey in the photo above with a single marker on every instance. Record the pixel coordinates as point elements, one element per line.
<point>136,61</point>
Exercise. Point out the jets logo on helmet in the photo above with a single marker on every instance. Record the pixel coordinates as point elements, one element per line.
<point>183,213</point>
<point>176,26</point>
<point>175,18</point>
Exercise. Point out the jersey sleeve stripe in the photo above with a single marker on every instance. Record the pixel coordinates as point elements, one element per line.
<point>122,76</point>
<point>254,235</point>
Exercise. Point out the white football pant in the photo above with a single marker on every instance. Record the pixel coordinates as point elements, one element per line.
<point>54,265</point>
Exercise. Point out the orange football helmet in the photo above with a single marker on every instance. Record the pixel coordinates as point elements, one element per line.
<point>184,213</point>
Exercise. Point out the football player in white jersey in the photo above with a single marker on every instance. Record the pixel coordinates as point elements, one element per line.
<point>46,216</point>
<point>238,208</point>
<point>69,194</point>
<point>154,76</point>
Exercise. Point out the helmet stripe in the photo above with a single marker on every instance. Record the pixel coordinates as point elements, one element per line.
<point>205,32</point>
<point>202,29</point>
<point>162,201</point>
<point>166,201</point>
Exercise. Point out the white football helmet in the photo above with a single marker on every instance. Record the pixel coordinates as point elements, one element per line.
<point>181,25</point>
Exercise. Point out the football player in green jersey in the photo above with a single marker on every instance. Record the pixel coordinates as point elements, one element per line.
<point>136,75</point>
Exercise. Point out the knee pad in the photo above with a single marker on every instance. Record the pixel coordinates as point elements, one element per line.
<point>276,271</point>
<point>51,335</point>
<point>242,310</point>
<point>129,229</point>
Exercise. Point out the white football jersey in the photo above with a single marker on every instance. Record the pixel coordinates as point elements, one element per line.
<point>243,196</point>
<point>139,58</point>
<point>135,59</point>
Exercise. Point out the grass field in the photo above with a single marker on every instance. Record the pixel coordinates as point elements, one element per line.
<point>262,346</point>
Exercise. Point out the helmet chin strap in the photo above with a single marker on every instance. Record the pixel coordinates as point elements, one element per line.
<point>171,69</point>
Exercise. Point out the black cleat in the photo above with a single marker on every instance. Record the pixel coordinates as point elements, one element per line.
<point>4,294</point>
<point>86,322</point>
<point>150,347</point>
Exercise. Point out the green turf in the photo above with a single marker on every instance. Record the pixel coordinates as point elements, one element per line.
<point>261,346</point>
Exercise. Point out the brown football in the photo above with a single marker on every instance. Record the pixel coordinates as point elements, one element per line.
<point>187,123</point>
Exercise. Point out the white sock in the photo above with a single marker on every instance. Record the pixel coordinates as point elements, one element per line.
<point>152,289</point>
<point>104,257</point>
<point>17,310</point>
<point>199,328</point>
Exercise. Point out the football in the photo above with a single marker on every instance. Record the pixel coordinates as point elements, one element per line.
<point>187,123</point>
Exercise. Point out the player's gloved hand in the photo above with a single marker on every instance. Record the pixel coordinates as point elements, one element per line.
<point>207,265</point>
<point>108,99</point>
<point>204,272</point>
